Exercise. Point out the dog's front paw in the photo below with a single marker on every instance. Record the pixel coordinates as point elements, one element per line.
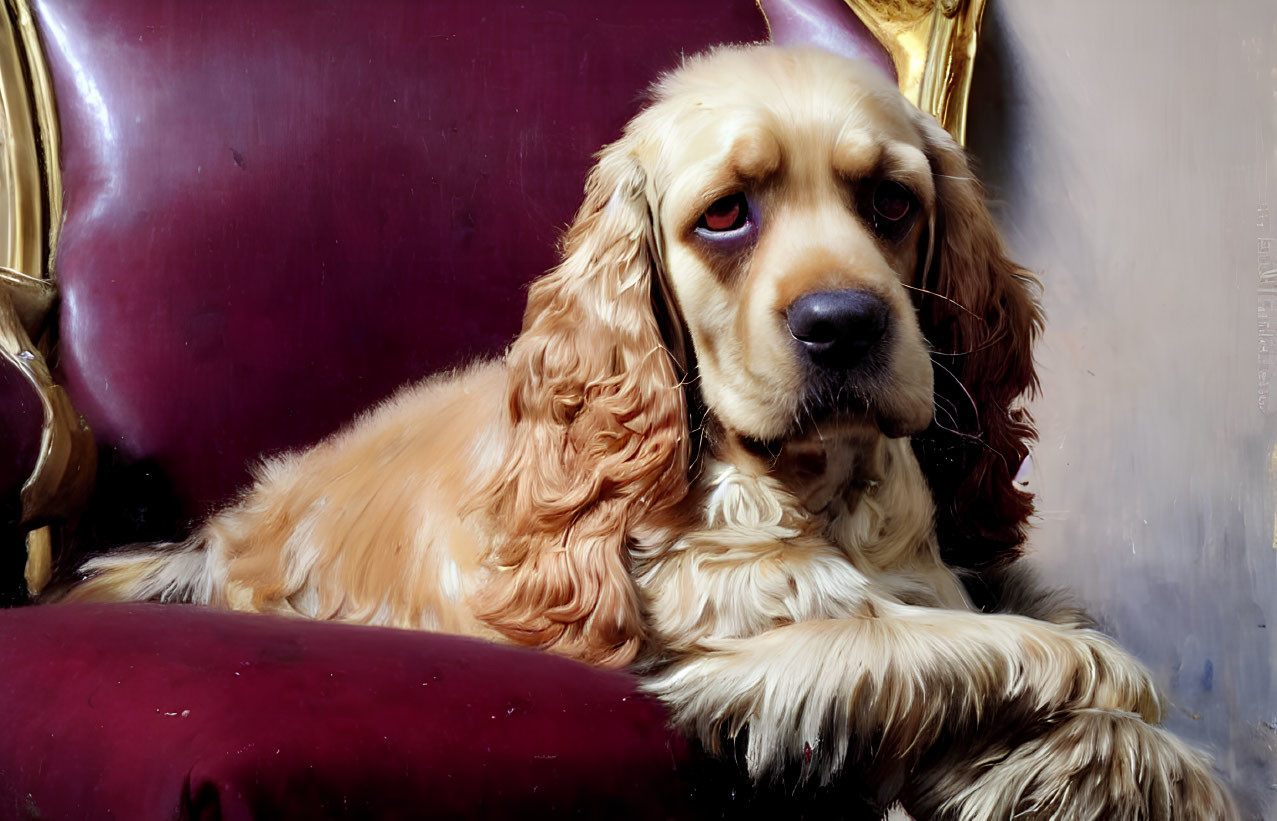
<point>788,724</point>
<point>1088,764</point>
<point>713,699</point>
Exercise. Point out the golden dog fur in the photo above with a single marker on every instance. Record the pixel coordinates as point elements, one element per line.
<point>645,478</point>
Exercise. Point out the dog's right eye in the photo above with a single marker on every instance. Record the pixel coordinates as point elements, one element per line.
<point>891,210</point>
<point>725,214</point>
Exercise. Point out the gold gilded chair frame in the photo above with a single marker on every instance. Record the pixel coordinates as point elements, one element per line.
<point>29,223</point>
<point>931,43</point>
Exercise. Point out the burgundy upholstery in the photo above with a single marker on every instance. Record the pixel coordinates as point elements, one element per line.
<point>181,712</point>
<point>277,212</point>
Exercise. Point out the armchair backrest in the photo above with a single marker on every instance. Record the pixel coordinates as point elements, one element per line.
<point>278,212</point>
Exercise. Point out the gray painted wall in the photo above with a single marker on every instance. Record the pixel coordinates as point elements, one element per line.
<point>1130,150</point>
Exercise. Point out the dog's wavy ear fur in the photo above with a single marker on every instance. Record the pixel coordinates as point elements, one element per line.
<point>981,320</point>
<point>600,432</point>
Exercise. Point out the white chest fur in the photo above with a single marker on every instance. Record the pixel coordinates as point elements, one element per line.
<point>773,545</point>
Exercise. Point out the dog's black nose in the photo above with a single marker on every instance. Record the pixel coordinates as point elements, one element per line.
<point>837,328</point>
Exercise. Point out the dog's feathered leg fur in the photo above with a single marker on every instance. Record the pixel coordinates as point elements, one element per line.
<point>897,676</point>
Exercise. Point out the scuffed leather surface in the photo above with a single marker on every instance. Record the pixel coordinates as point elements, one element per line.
<point>154,711</point>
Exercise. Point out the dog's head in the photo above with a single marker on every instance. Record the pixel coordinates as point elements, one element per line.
<point>783,232</point>
<point>792,199</point>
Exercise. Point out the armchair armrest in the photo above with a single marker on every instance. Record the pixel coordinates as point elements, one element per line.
<point>153,711</point>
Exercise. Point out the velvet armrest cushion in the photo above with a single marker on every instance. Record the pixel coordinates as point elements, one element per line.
<point>165,711</point>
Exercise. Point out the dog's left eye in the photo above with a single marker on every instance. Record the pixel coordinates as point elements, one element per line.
<point>892,202</point>
<point>725,214</point>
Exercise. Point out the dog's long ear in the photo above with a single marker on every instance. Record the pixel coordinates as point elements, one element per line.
<point>600,432</point>
<point>981,320</point>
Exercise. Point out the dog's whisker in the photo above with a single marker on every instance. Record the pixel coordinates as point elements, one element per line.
<point>970,399</point>
<point>950,300</point>
<point>989,342</point>
<point>959,433</point>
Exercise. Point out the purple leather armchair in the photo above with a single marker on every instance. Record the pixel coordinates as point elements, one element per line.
<point>274,213</point>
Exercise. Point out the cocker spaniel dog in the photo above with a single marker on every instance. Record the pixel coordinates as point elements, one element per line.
<point>753,419</point>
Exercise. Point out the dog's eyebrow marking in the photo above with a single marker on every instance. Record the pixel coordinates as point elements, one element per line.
<point>754,155</point>
<point>856,155</point>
